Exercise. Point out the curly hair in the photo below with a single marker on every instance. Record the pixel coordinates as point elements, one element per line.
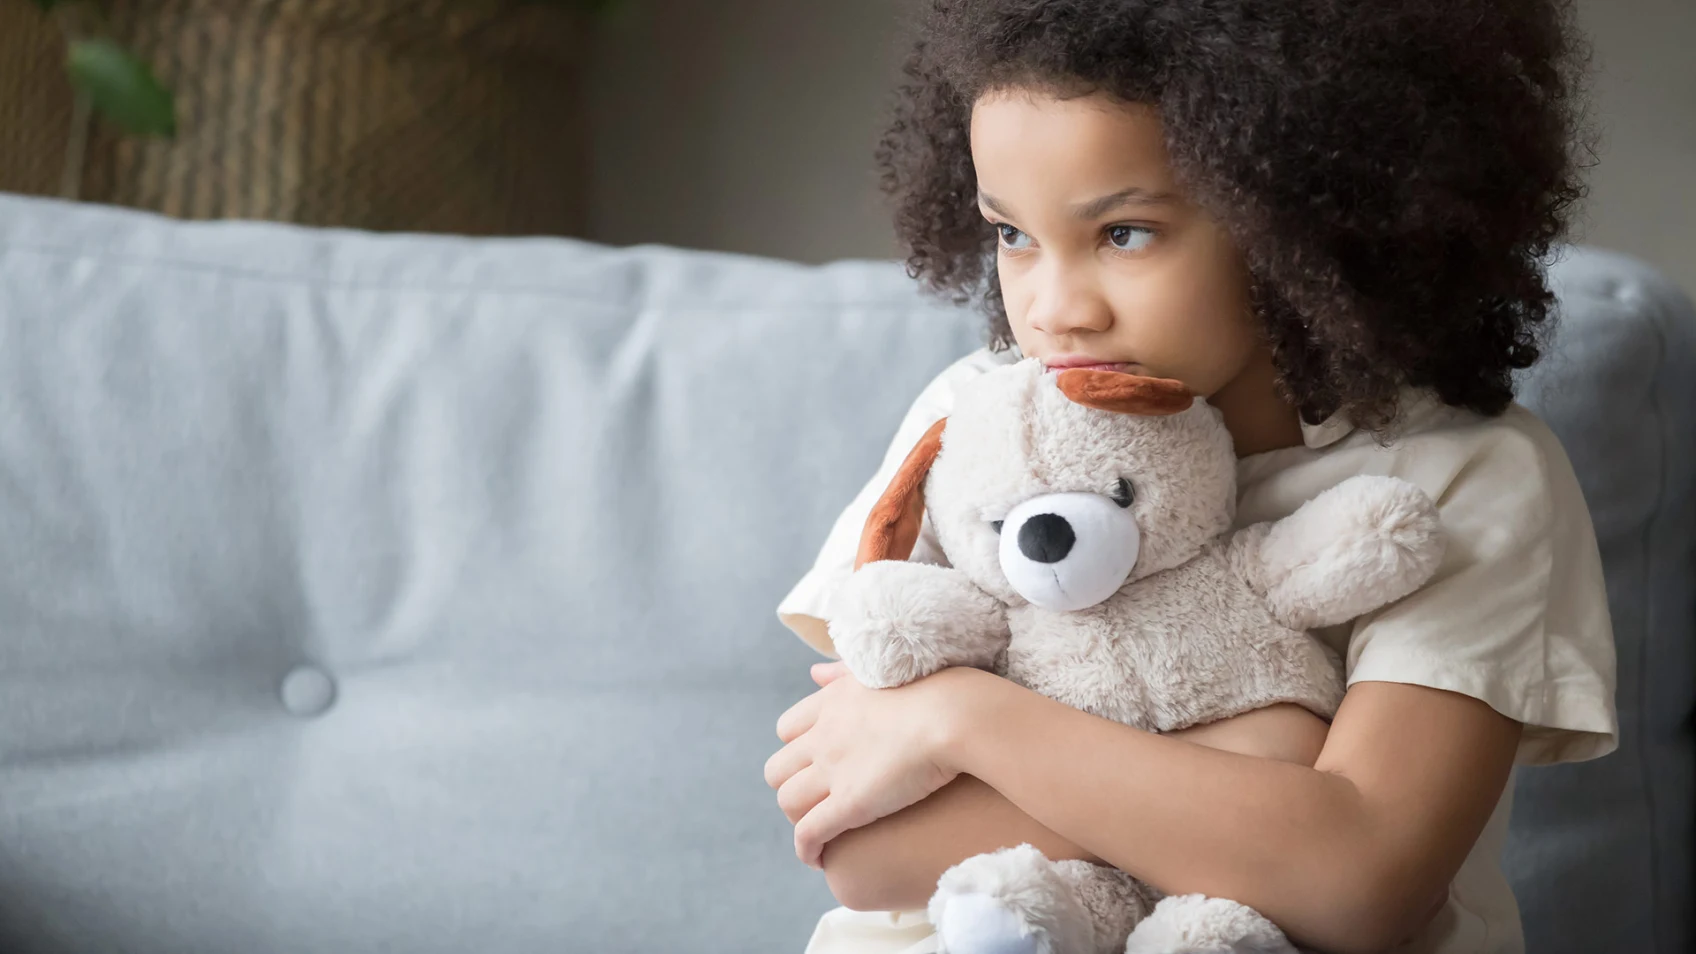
<point>1394,172</point>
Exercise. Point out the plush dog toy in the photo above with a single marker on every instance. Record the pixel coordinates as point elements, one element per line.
<point>1085,518</point>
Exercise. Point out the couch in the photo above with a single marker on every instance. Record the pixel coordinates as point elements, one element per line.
<point>414,594</point>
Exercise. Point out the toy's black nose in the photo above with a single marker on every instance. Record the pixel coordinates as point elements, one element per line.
<point>1046,538</point>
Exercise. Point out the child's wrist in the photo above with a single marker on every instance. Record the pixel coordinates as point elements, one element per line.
<point>966,700</point>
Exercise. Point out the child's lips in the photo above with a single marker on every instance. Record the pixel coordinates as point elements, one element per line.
<point>1085,364</point>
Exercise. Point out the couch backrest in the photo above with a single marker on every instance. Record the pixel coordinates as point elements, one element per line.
<point>400,593</point>
<point>1601,852</point>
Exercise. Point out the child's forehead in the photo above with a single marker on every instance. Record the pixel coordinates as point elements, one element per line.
<point>1070,149</point>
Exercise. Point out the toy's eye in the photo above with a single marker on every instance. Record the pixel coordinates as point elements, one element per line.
<point>1122,493</point>
<point>995,525</point>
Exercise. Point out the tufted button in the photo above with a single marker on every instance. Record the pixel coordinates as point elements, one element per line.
<point>307,691</point>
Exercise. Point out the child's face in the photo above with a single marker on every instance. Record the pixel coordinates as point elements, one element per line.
<point>1102,259</point>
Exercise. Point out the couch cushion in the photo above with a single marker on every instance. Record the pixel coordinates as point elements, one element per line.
<point>370,593</point>
<point>522,507</point>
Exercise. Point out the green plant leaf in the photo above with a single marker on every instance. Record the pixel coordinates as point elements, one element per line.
<point>46,5</point>
<point>122,87</point>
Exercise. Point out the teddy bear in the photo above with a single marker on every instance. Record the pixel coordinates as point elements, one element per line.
<point>1085,519</point>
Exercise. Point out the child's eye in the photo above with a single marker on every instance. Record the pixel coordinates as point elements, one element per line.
<point>1129,238</point>
<point>1012,238</point>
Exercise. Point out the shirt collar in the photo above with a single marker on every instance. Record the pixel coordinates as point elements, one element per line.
<point>1327,432</point>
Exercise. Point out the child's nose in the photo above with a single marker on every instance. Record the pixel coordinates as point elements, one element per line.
<point>1069,304</point>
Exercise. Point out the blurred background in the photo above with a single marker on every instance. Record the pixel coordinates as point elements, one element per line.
<point>737,125</point>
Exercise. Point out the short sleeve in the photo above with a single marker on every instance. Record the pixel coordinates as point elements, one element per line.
<point>1517,615</point>
<point>807,607</point>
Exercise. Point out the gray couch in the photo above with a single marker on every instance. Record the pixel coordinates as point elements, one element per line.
<point>404,594</point>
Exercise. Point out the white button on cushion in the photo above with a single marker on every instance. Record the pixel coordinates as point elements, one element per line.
<point>308,691</point>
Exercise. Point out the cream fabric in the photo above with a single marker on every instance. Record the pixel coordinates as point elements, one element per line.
<point>872,932</point>
<point>1517,615</point>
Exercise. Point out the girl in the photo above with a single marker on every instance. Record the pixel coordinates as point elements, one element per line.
<point>1330,219</point>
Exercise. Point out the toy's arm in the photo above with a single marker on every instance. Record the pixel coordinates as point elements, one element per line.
<point>1359,546</point>
<point>894,622</point>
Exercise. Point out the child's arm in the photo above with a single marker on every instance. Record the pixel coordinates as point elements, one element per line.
<point>1345,856</point>
<point>893,864</point>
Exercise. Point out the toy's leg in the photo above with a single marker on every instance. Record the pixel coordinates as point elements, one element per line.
<point>1011,901</point>
<point>1114,900</point>
<point>1196,924</point>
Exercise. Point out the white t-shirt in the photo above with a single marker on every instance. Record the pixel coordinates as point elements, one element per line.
<point>1517,615</point>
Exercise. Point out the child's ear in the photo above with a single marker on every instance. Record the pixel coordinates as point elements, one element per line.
<point>1125,393</point>
<point>892,528</point>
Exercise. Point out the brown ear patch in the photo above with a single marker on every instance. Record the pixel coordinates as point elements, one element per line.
<point>1125,393</point>
<point>892,528</point>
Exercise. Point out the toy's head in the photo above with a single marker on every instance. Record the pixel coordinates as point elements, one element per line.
<point>1059,488</point>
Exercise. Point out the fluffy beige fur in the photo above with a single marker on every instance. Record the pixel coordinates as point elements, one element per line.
<point>1207,625</point>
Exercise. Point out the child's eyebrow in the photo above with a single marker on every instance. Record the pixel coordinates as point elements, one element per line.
<point>1135,195</point>
<point>989,202</point>
<point>1094,208</point>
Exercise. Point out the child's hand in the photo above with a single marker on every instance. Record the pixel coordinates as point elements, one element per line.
<point>854,755</point>
<point>826,673</point>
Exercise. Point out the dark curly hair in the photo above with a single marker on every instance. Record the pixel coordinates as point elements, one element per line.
<point>1394,172</point>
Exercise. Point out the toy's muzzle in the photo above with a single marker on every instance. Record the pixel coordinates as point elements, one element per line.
<point>1070,551</point>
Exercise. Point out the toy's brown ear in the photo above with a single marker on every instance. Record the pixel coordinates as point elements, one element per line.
<point>1125,393</point>
<point>892,528</point>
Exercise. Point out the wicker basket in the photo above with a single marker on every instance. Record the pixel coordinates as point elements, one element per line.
<point>427,115</point>
<point>35,102</point>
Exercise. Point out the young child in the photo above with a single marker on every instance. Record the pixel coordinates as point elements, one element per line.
<point>1330,219</point>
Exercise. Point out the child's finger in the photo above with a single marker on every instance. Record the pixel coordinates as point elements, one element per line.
<point>828,819</point>
<point>826,673</point>
<point>802,792</point>
<point>800,717</point>
<point>784,763</point>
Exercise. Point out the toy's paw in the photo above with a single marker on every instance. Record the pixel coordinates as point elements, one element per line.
<point>1008,901</point>
<point>1197,924</point>
<point>894,622</point>
<point>979,924</point>
<point>1359,546</point>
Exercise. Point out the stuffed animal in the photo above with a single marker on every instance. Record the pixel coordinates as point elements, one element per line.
<point>1085,517</point>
